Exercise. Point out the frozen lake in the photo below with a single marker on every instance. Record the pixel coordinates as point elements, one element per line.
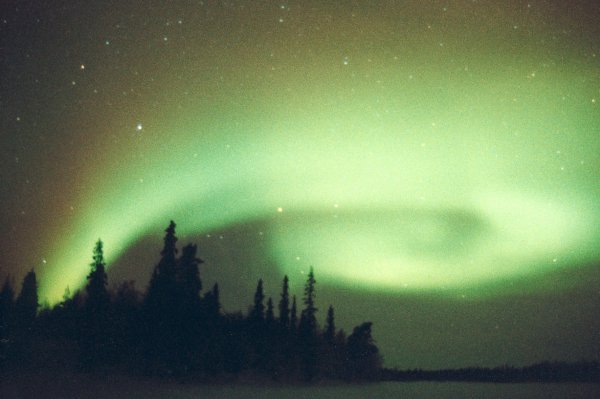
<point>77,386</point>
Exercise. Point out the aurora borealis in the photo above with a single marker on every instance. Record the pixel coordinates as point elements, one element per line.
<point>429,156</point>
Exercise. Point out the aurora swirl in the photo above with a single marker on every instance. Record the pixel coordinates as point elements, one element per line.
<point>474,197</point>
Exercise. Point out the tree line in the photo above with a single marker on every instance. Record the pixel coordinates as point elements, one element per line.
<point>177,327</point>
<point>581,371</point>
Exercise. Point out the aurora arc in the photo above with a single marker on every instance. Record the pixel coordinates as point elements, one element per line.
<point>410,186</point>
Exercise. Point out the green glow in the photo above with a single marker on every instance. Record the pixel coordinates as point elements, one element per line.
<point>419,176</point>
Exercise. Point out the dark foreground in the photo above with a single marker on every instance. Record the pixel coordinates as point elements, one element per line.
<point>82,386</point>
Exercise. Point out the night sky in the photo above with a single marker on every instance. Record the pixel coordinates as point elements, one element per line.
<point>437,162</point>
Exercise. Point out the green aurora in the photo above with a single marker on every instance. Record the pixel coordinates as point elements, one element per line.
<point>422,148</point>
<point>445,177</point>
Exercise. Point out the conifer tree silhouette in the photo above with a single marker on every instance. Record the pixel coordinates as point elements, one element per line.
<point>162,315</point>
<point>329,334</point>
<point>189,276</point>
<point>308,319</point>
<point>284,304</point>
<point>98,298</point>
<point>163,285</point>
<point>257,330</point>
<point>270,315</point>
<point>95,340</point>
<point>307,330</point>
<point>293,315</point>
<point>26,305</point>
<point>258,310</point>
<point>363,354</point>
<point>269,338</point>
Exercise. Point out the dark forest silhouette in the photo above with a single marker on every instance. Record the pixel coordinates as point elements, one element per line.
<point>177,329</point>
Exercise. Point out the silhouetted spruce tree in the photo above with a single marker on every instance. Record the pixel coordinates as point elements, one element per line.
<point>269,338</point>
<point>96,343</point>
<point>364,360</point>
<point>160,308</point>
<point>307,330</point>
<point>258,309</point>
<point>293,315</point>
<point>284,304</point>
<point>98,299</point>
<point>329,334</point>
<point>191,323</point>
<point>189,276</point>
<point>331,353</point>
<point>269,315</point>
<point>308,319</point>
<point>27,304</point>
<point>162,290</point>
<point>257,330</point>
<point>283,341</point>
